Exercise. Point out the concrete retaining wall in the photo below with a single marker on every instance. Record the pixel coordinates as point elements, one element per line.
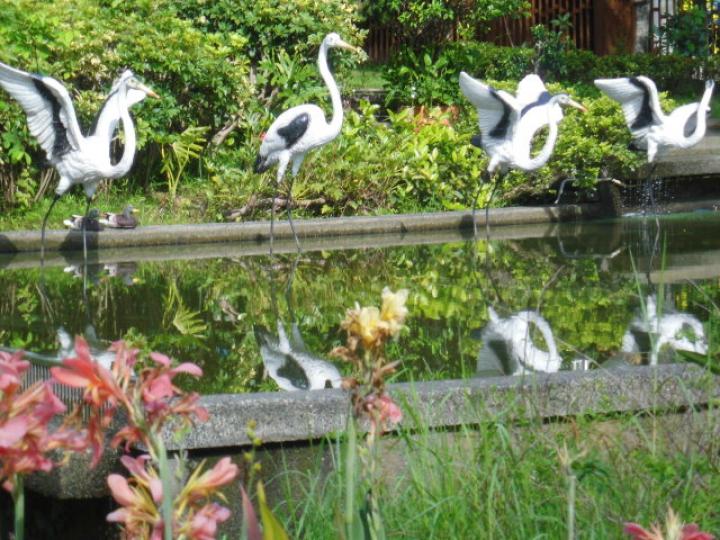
<point>258,231</point>
<point>297,417</point>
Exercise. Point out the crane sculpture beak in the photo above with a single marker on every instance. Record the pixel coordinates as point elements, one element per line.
<point>150,92</point>
<point>352,48</point>
<point>143,88</point>
<point>577,105</point>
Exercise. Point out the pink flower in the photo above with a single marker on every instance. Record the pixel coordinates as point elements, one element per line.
<point>12,368</point>
<point>201,485</point>
<point>13,431</point>
<point>381,410</point>
<point>204,523</point>
<point>156,389</point>
<point>138,513</point>
<point>675,530</point>
<point>388,409</point>
<point>137,467</point>
<point>25,436</point>
<point>83,372</point>
<point>120,490</point>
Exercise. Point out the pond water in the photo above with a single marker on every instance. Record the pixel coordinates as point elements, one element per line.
<point>542,298</point>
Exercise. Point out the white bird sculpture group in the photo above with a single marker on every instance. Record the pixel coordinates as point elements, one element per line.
<point>507,123</point>
<point>52,120</point>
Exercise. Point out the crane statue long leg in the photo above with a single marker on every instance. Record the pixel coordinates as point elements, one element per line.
<point>302,128</point>
<point>487,205</point>
<point>84,227</point>
<point>486,177</point>
<point>42,230</point>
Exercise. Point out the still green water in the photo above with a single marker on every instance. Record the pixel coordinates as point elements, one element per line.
<point>575,296</point>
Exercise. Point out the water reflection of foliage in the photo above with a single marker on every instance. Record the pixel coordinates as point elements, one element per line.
<point>204,311</point>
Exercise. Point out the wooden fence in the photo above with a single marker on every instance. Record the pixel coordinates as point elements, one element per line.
<point>602,26</point>
<point>382,40</point>
<point>517,31</point>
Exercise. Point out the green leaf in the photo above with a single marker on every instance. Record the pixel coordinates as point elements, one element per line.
<point>272,529</point>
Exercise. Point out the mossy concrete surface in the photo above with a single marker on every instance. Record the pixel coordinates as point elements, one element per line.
<point>300,417</point>
<point>258,231</point>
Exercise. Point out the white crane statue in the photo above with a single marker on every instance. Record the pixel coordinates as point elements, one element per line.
<point>508,124</point>
<point>300,129</point>
<point>51,118</point>
<point>651,128</point>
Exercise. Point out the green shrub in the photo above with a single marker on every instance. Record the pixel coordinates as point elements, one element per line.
<point>431,76</point>
<point>201,77</point>
<point>687,33</point>
<point>282,42</point>
<point>552,43</point>
<point>675,74</point>
<point>296,26</point>
<point>418,24</point>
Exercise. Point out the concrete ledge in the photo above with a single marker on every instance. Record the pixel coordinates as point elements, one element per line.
<point>299,416</point>
<point>258,231</point>
<point>75,479</point>
<point>31,259</point>
<point>303,416</point>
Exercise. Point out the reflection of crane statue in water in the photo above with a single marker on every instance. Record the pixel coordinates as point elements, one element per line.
<point>287,359</point>
<point>65,344</point>
<point>658,330</point>
<point>661,334</point>
<point>509,343</point>
<point>509,348</point>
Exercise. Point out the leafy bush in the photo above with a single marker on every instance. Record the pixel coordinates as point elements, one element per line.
<point>551,46</point>
<point>675,74</point>
<point>431,78</point>
<point>296,27</point>
<point>201,77</point>
<point>282,41</point>
<point>687,33</point>
<point>419,23</point>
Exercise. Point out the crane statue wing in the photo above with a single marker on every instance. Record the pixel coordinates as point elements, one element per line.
<point>50,112</point>
<point>531,90</point>
<point>497,110</point>
<point>684,119</point>
<point>639,100</point>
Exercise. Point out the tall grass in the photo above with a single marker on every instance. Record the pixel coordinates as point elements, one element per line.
<point>500,479</point>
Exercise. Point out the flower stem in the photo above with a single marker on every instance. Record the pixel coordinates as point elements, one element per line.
<point>166,508</point>
<point>350,478</point>
<point>571,506</point>
<point>18,495</point>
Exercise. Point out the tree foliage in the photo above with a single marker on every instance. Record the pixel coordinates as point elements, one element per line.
<point>202,77</point>
<point>198,56</point>
<point>420,23</point>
